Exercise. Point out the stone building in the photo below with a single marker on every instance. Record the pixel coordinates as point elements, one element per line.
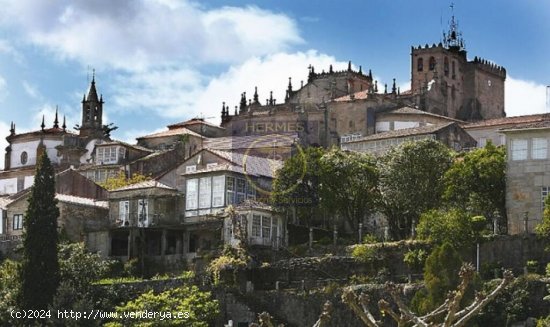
<point>527,174</point>
<point>450,134</point>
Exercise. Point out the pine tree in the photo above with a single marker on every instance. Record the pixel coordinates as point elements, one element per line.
<point>40,266</point>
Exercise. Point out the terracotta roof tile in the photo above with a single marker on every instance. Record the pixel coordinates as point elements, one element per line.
<point>544,124</point>
<point>508,121</point>
<point>170,132</point>
<point>361,95</point>
<point>413,111</point>
<point>142,185</point>
<point>82,201</point>
<point>250,141</point>
<point>403,132</point>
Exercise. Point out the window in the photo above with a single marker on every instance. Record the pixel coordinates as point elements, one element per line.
<point>502,139</point>
<point>107,154</point>
<point>446,66</point>
<point>420,64</point>
<point>250,191</point>
<point>266,227</point>
<point>539,148</point>
<point>519,149</point>
<point>432,63</point>
<point>24,157</point>
<point>257,226</point>
<point>191,197</point>
<point>143,212</point>
<point>482,142</point>
<point>218,190</point>
<point>190,169</point>
<point>124,213</point>
<point>241,188</point>
<point>17,223</point>
<point>230,190</point>
<point>453,70</point>
<point>205,192</point>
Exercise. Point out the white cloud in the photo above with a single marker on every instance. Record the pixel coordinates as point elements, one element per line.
<point>524,97</point>
<point>4,127</point>
<point>138,34</point>
<point>3,89</point>
<point>31,90</point>
<point>185,93</point>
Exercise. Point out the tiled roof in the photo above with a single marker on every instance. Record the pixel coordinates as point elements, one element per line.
<point>361,95</point>
<point>116,142</point>
<point>4,202</point>
<point>508,121</point>
<point>545,124</point>
<point>47,131</point>
<point>403,132</point>
<point>413,111</point>
<point>170,132</point>
<point>82,201</point>
<point>250,141</point>
<point>145,184</point>
<point>243,164</point>
<point>193,121</point>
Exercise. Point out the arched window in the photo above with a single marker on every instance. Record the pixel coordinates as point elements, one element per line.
<point>432,63</point>
<point>420,64</point>
<point>446,66</point>
<point>453,70</point>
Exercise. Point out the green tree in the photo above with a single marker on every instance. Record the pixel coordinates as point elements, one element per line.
<point>40,266</point>
<point>296,185</point>
<point>348,185</point>
<point>121,180</point>
<point>411,182</point>
<point>9,290</point>
<point>440,276</point>
<point>476,183</point>
<point>453,226</point>
<point>79,269</point>
<point>198,308</point>
<point>543,229</point>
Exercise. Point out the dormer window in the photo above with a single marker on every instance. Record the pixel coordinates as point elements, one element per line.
<point>211,165</point>
<point>109,154</point>
<point>191,168</point>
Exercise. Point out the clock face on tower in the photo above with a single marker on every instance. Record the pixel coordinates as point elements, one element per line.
<point>24,157</point>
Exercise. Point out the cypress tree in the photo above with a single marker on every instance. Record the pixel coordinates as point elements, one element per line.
<point>40,265</point>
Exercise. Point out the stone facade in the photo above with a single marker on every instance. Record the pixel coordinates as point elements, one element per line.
<point>527,175</point>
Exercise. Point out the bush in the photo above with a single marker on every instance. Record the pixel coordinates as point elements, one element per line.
<point>199,308</point>
<point>532,266</point>
<point>365,253</point>
<point>370,239</point>
<point>231,259</point>
<point>415,259</point>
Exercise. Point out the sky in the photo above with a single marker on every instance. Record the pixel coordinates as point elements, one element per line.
<point>158,62</point>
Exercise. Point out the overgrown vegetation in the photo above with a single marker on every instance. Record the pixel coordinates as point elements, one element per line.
<point>121,180</point>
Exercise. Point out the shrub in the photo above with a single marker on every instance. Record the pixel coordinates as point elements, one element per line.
<point>415,259</point>
<point>532,266</point>
<point>370,239</point>
<point>365,253</point>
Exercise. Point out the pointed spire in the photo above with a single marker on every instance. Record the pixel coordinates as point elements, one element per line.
<point>56,121</point>
<point>290,84</point>
<point>235,110</point>
<point>330,69</point>
<point>256,100</point>
<point>12,128</point>
<point>385,88</point>
<point>223,110</point>
<point>92,92</point>
<point>349,66</point>
<point>375,86</point>
<point>42,125</point>
<point>370,74</point>
<point>242,105</point>
<point>360,70</point>
<point>64,126</point>
<point>270,98</point>
<point>393,88</point>
<point>398,91</point>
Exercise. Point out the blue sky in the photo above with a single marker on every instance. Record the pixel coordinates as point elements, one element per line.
<point>163,61</point>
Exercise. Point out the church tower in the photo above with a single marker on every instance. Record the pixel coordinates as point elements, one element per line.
<point>446,83</point>
<point>92,113</point>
